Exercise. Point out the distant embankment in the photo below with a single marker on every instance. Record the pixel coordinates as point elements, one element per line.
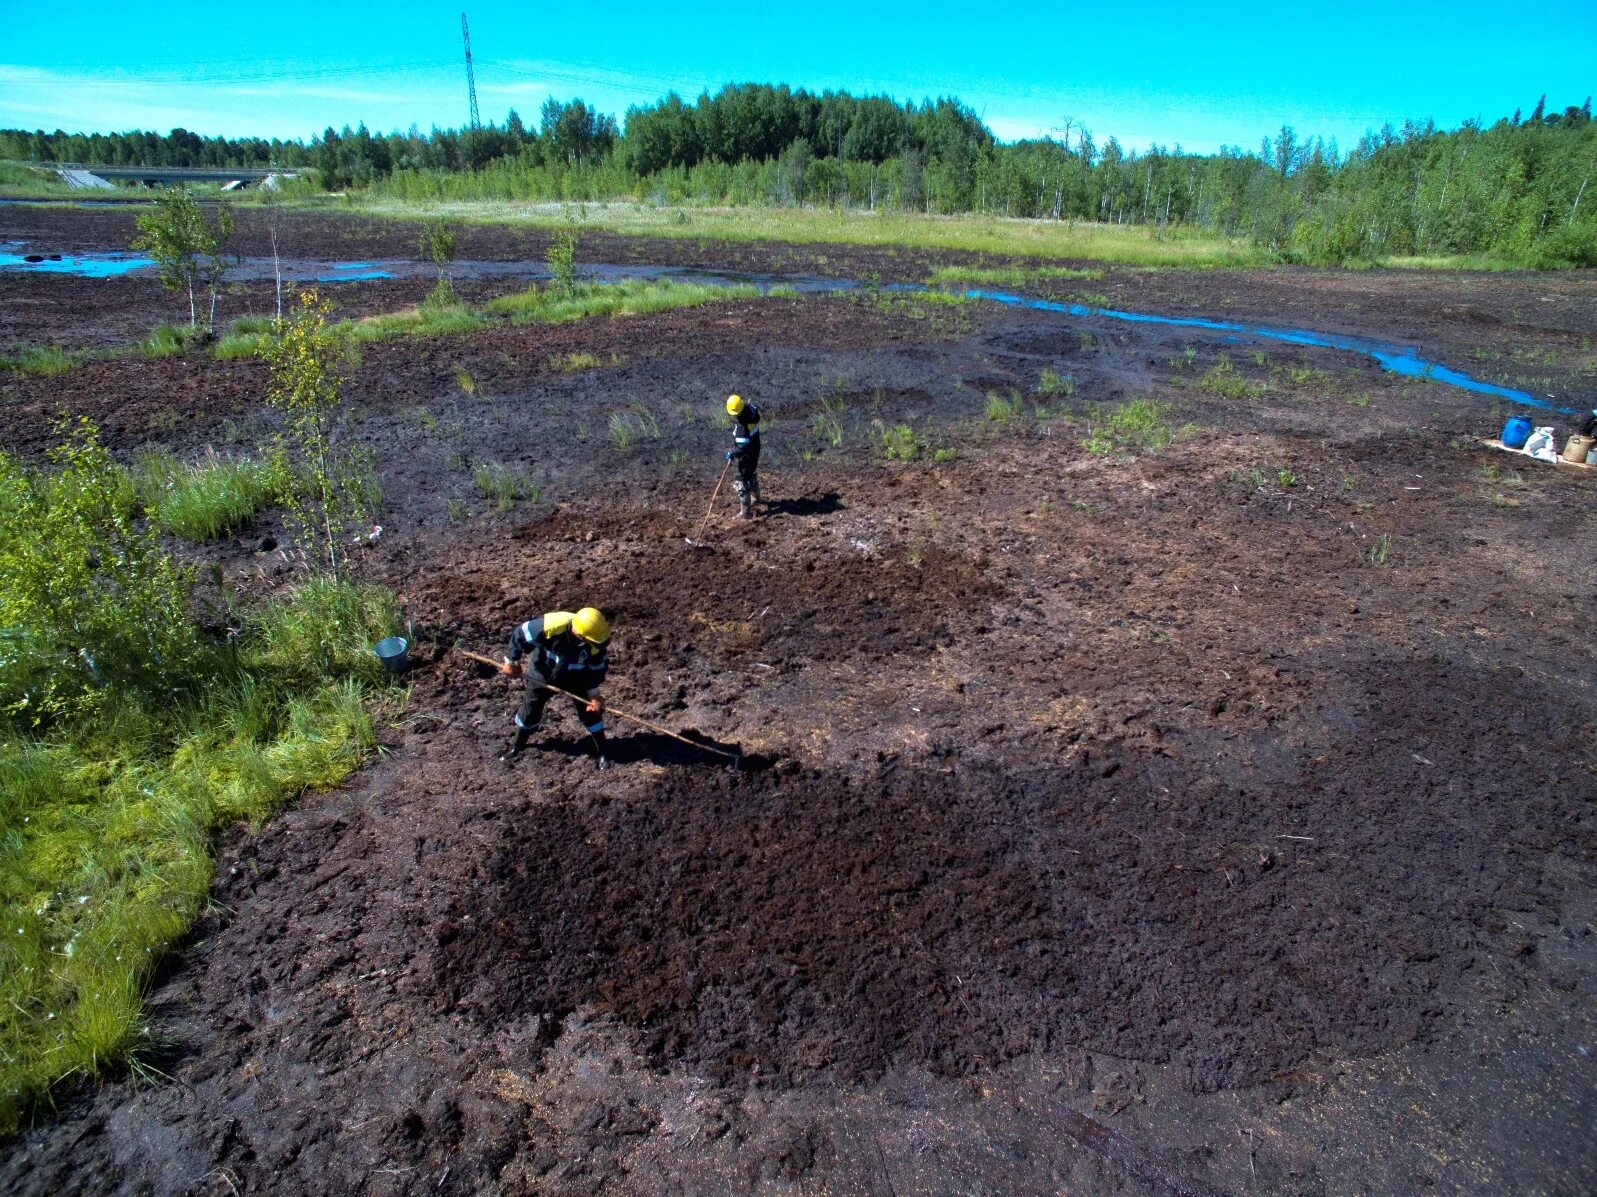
<point>231,177</point>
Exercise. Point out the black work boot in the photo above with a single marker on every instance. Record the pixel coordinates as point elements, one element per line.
<point>523,734</point>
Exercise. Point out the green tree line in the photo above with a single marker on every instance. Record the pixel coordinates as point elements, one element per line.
<point>1517,189</point>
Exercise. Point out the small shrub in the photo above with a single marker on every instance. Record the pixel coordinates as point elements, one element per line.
<point>91,608</point>
<point>1134,424</point>
<point>561,258</point>
<point>1381,550</point>
<point>1287,479</point>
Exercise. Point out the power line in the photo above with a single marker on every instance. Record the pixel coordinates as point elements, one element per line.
<point>258,76</point>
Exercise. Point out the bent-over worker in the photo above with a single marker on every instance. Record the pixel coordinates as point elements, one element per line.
<point>745,451</point>
<point>568,652</point>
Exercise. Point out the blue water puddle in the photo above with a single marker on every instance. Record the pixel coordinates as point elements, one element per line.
<point>353,272</point>
<point>90,266</point>
<point>1396,358</point>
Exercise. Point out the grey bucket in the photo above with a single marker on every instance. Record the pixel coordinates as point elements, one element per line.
<point>392,653</point>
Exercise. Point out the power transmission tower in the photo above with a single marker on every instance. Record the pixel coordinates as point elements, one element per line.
<point>471,80</point>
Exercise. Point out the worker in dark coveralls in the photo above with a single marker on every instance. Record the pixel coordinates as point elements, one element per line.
<point>745,451</point>
<point>567,651</point>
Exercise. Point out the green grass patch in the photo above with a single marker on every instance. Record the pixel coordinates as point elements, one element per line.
<point>24,180</point>
<point>1004,409</point>
<point>505,486</point>
<point>899,442</point>
<point>544,305</point>
<point>1223,381</point>
<point>1011,276</point>
<point>426,320</point>
<point>1125,244</point>
<point>1134,424</point>
<point>44,360</point>
<point>129,734</point>
<point>206,499</point>
<point>106,860</point>
<point>575,363</point>
<point>628,428</point>
<point>1056,385</point>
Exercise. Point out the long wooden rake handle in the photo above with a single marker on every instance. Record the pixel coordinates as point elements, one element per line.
<point>714,495</point>
<point>655,727</point>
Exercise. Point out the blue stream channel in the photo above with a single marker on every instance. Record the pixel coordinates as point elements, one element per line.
<point>1396,358</point>
<point>1399,359</point>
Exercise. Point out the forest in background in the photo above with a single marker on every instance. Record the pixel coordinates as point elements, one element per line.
<point>1515,190</point>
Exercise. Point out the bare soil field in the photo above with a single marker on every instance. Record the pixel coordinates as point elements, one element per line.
<point>1214,818</point>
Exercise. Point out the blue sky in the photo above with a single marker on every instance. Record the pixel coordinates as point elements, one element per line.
<point>1144,72</point>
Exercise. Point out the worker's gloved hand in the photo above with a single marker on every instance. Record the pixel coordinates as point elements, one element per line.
<point>729,455</point>
<point>595,704</point>
<point>510,669</point>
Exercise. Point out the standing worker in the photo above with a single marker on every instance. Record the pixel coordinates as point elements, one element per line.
<point>568,653</point>
<point>745,451</point>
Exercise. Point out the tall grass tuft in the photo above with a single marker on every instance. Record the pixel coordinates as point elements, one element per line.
<point>208,498</point>
<point>505,486</point>
<point>1134,424</point>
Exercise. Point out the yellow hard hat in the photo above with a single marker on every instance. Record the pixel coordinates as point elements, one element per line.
<point>591,625</point>
<point>734,405</point>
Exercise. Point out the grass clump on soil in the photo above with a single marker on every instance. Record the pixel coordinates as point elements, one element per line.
<point>1134,424</point>
<point>505,486</point>
<point>1222,380</point>
<point>47,361</point>
<point>899,442</point>
<point>635,424</point>
<point>1004,409</point>
<point>1056,385</point>
<point>1010,276</point>
<point>128,739</point>
<point>208,498</point>
<point>827,424</point>
<point>575,363</point>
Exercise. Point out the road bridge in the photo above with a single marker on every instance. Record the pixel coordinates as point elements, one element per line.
<point>76,174</point>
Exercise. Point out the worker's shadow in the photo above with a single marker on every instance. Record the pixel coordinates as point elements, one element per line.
<point>825,504</point>
<point>651,747</point>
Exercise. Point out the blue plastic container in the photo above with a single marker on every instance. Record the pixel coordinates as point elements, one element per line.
<point>1516,432</point>
<point>393,653</point>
